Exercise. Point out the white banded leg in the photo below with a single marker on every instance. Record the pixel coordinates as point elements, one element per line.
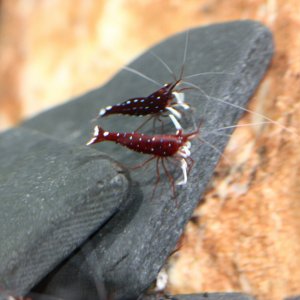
<point>180,100</point>
<point>174,112</point>
<point>185,153</point>
<point>175,122</point>
<point>185,150</point>
<point>184,167</point>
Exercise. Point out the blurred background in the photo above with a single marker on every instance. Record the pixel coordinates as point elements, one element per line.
<point>246,234</point>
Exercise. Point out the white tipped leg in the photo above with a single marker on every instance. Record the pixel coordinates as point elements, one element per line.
<point>185,151</point>
<point>184,106</point>
<point>184,168</point>
<point>94,138</point>
<point>188,145</point>
<point>175,122</point>
<point>174,112</point>
<point>180,100</point>
<point>179,97</point>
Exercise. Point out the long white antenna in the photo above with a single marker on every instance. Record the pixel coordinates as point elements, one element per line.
<point>239,107</point>
<point>215,148</point>
<point>164,64</point>
<point>134,71</point>
<point>208,73</point>
<point>184,53</point>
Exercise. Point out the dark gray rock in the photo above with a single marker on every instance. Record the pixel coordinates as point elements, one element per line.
<point>126,255</point>
<point>53,196</point>
<point>203,296</point>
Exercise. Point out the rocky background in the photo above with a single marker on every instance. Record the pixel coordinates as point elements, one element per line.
<point>246,235</point>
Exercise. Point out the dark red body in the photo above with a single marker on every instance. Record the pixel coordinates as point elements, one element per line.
<point>153,104</point>
<point>159,145</point>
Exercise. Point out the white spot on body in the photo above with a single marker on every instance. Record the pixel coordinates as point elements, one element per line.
<point>140,139</point>
<point>96,131</point>
<point>105,133</point>
<point>149,141</point>
<point>108,107</point>
<point>118,134</point>
<point>143,100</point>
<point>128,102</point>
<point>153,139</point>
<point>158,98</point>
<point>130,137</point>
<point>136,100</point>
<point>102,112</point>
<point>152,149</point>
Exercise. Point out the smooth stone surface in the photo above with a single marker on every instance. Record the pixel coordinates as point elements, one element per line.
<point>53,196</point>
<point>125,256</point>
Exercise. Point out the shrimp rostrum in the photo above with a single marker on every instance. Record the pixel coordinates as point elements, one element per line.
<point>161,147</point>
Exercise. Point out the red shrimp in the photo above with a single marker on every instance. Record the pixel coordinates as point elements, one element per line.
<point>164,100</point>
<point>160,101</point>
<point>160,147</point>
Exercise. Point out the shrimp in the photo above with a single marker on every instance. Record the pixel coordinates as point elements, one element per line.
<point>164,100</point>
<point>160,147</point>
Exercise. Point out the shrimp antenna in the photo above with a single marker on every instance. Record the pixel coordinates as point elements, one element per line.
<point>208,73</point>
<point>219,132</point>
<point>134,71</point>
<point>184,54</point>
<point>240,107</point>
<point>183,60</point>
<point>215,148</point>
<point>242,125</point>
<point>164,64</point>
